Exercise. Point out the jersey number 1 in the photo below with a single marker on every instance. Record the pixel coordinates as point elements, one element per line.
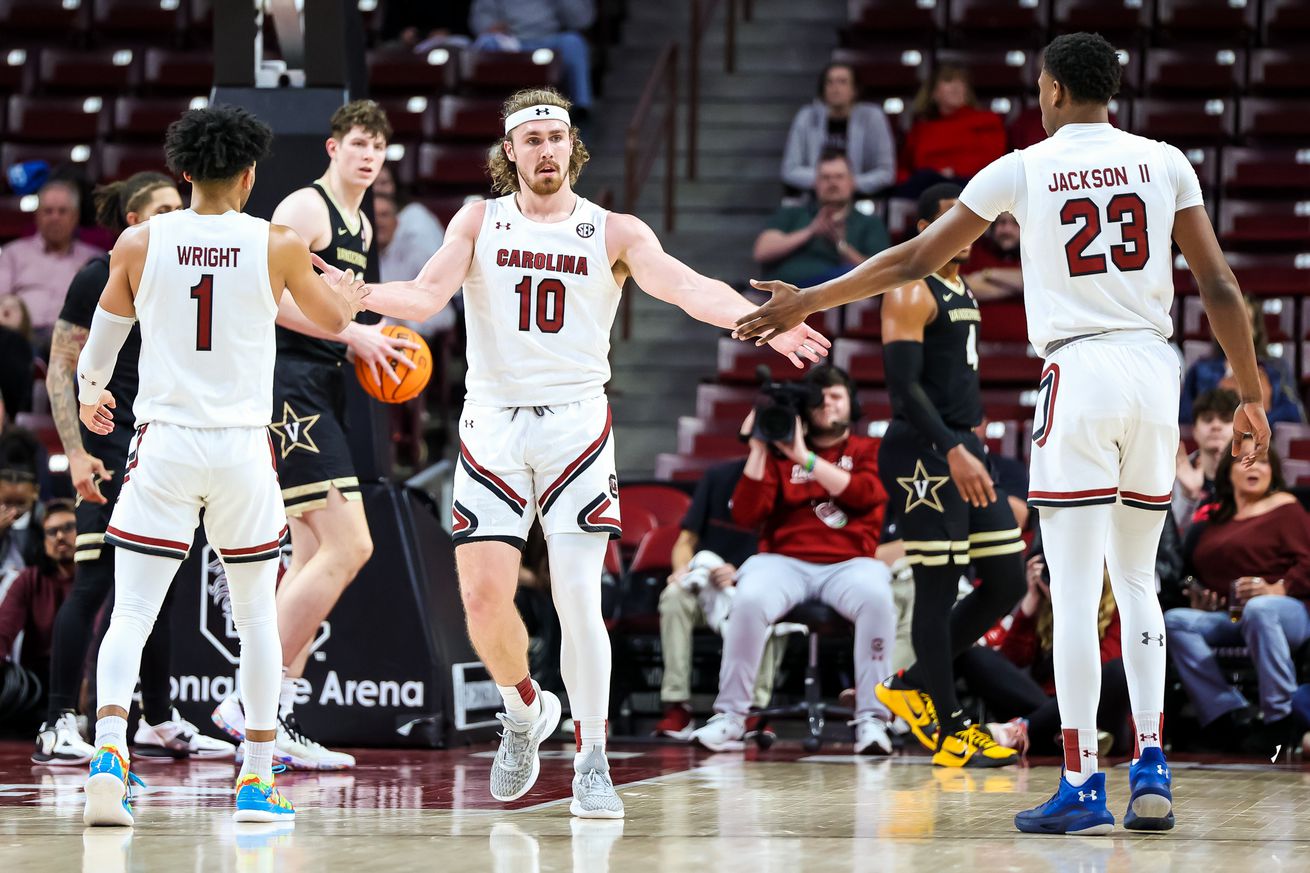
<point>550,304</point>
<point>1126,209</point>
<point>203,294</point>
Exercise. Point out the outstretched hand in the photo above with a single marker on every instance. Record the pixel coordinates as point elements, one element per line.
<point>785,311</point>
<point>801,342</point>
<point>1250,423</point>
<point>97,417</point>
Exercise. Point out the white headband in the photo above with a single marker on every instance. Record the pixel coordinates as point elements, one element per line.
<point>536,113</point>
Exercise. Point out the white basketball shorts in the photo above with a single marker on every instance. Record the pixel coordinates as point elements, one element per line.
<point>556,462</point>
<point>1106,427</point>
<point>173,472</point>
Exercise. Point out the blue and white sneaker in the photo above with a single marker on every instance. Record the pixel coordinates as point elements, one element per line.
<point>109,790</point>
<point>1151,805</point>
<point>258,800</point>
<point>1070,810</point>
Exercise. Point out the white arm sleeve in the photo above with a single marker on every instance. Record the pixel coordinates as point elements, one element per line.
<point>95,365</point>
<point>1187,188</point>
<point>996,187</point>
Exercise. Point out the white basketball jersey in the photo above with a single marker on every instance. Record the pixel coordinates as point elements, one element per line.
<point>206,311</point>
<point>1096,210</point>
<point>539,302</point>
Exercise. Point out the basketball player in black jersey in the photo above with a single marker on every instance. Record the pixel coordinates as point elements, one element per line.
<point>329,533</point>
<point>949,512</point>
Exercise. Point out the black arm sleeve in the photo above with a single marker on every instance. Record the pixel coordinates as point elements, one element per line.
<point>904,365</point>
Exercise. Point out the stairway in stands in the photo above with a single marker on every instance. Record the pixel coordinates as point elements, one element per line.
<point>744,120</point>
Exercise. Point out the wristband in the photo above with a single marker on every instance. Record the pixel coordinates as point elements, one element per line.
<point>810,461</point>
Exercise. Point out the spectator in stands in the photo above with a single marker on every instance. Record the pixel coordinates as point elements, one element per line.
<point>1212,430</point>
<point>993,270</point>
<point>818,503</point>
<point>706,556</point>
<point>39,268</point>
<point>825,238</point>
<point>29,608</point>
<point>20,541</point>
<point>836,123</point>
<point>1280,400</point>
<point>528,25</point>
<point>421,25</point>
<point>951,138</point>
<point>17,361</point>
<point>1250,555</point>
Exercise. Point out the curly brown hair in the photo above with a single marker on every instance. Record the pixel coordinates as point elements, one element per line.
<point>504,176</point>
<point>366,114</point>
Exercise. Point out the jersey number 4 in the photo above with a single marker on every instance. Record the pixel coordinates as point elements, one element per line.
<point>549,304</point>
<point>203,294</point>
<point>1129,212</point>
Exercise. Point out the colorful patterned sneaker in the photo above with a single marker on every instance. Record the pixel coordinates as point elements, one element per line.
<point>912,705</point>
<point>517,764</point>
<point>1070,810</point>
<point>259,801</point>
<point>1151,803</point>
<point>109,790</point>
<point>230,718</point>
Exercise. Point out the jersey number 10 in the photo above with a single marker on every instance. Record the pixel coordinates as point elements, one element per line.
<point>1129,212</point>
<point>549,308</point>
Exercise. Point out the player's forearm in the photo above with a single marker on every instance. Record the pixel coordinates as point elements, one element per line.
<point>886,270</point>
<point>1231,324</point>
<point>95,365</point>
<point>63,403</point>
<point>411,300</point>
<point>290,316</point>
<point>711,301</point>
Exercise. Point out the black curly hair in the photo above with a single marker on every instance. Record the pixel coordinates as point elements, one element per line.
<point>1085,64</point>
<point>216,144</point>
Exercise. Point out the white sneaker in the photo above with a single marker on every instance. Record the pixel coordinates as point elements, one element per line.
<point>517,763</point>
<point>722,733</point>
<point>178,738</point>
<point>871,737</point>
<point>230,718</point>
<point>61,745</point>
<point>299,752</point>
<point>593,790</point>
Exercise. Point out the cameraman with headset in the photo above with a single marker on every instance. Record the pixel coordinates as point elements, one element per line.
<point>812,488</point>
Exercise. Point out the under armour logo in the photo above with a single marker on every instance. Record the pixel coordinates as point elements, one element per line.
<point>1160,768</point>
<point>499,223</point>
<point>1148,638</point>
<point>543,111</point>
<point>1152,737</point>
<point>1088,753</point>
<point>1084,796</point>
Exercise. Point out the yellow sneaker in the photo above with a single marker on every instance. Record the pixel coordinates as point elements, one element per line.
<point>914,706</point>
<point>971,746</point>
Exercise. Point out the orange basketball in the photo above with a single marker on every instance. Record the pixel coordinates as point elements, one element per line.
<point>412,379</point>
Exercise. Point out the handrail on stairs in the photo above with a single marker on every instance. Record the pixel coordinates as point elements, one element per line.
<point>643,141</point>
<point>702,11</point>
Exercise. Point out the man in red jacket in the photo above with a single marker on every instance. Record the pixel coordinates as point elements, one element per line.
<point>819,505</point>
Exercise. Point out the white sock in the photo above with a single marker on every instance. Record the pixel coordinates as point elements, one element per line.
<point>1148,733</point>
<point>589,732</point>
<point>1080,755</point>
<point>286,700</point>
<point>258,760</point>
<point>515,708</point>
<point>112,731</point>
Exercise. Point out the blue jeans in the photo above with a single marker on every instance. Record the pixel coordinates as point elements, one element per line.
<point>575,59</point>
<point>1272,627</point>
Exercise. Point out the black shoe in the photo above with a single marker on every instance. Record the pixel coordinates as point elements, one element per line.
<point>1271,739</point>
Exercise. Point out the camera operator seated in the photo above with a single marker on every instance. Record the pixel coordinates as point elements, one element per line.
<point>811,487</point>
<point>1250,554</point>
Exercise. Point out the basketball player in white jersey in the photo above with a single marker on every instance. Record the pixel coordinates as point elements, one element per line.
<point>542,271</point>
<point>1099,209</point>
<point>204,283</point>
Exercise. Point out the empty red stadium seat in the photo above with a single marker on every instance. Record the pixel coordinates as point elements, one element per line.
<point>444,208</point>
<point>1292,440</point>
<point>738,361</point>
<point>69,71</point>
<point>655,553</point>
<point>144,118</point>
<point>165,71</point>
<point>503,72</point>
<point>862,359</point>
<point>1264,119</point>
<point>1012,22</point>
<point>120,160</point>
<point>138,21</point>
<point>1279,319</point>
<point>1276,71</point>
<point>406,74</point>
<point>670,467</point>
<point>637,522</point>
<point>883,72</point>
<point>54,119</point>
<point>1206,20</point>
<point>711,445</point>
<point>1286,22</point>
<point>668,505</point>
<point>14,222</point>
<point>1281,275</point>
<point>862,319</point>
<point>994,71</point>
<point>1192,121</point>
<point>1261,224</point>
<point>724,402</point>
<point>28,22</point>
<point>1003,321</point>
<point>410,117</point>
<point>467,118</point>
<point>876,404</point>
<point>1206,72</point>
<point>898,23</point>
<point>452,166</point>
<point>1206,163</point>
<point>1116,20</point>
<point>1008,363</point>
<point>1267,170</point>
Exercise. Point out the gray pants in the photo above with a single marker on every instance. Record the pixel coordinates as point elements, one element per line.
<point>768,586</point>
<point>1272,627</point>
<point>680,615</point>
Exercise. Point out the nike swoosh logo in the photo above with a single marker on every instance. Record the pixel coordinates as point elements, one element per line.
<point>947,297</point>
<point>341,231</point>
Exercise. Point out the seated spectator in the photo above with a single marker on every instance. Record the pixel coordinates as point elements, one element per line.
<point>17,360</point>
<point>421,25</point>
<point>805,245</point>
<point>1280,400</point>
<point>527,25</point>
<point>993,270</point>
<point>20,540</point>
<point>818,504</point>
<point>29,609</point>
<point>951,139</point>
<point>1212,430</point>
<point>416,228</point>
<point>400,258</point>
<point>706,556</point>
<point>1250,554</point>
<point>835,124</point>
<point>39,268</point>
